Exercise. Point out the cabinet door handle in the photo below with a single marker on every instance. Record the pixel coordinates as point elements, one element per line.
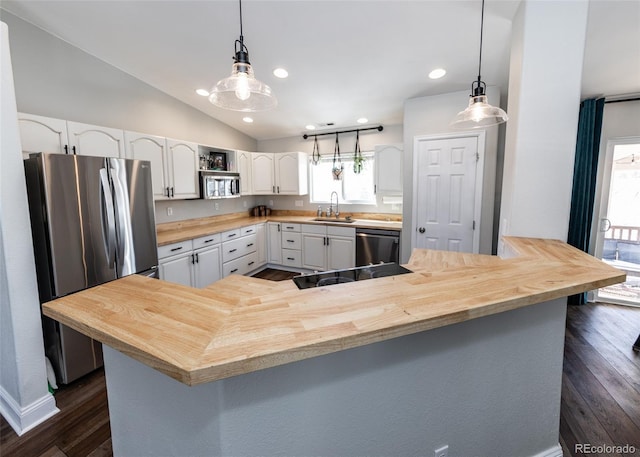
<point>197,260</point>
<point>278,227</point>
<point>278,189</point>
<point>232,250</point>
<point>168,194</point>
<point>176,249</point>
<point>172,194</point>
<point>193,259</point>
<point>73,148</point>
<point>66,149</point>
<point>234,270</point>
<point>274,189</point>
<point>327,241</point>
<point>324,240</point>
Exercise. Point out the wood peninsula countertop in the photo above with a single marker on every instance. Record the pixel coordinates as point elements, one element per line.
<point>175,232</point>
<point>241,324</point>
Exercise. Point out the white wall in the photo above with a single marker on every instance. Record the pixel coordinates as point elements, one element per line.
<point>391,134</point>
<point>432,115</point>
<point>24,397</point>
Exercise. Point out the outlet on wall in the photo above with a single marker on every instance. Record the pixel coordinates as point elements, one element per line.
<point>270,202</point>
<point>244,203</point>
<point>216,206</point>
<point>442,451</point>
<point>169,211</point>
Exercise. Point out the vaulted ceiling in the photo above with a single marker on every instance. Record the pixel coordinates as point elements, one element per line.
<point>346,59</point>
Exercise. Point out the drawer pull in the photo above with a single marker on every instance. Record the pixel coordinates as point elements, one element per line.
<point>176,249</point>
<point>234,270</point>
<point>290,258</point>
<point>290,241</point>
<point>209,241</point>
<point>250,263</point>
<point>248,231</point>
<point>231,235</point>
<point>232,250</point>
<point>249,245</point>
<point>290,227</point>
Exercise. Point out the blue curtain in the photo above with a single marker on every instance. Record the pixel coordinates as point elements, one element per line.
<point>585,169</point>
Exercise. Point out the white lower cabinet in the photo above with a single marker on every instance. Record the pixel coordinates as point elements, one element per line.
<point>328,247</point>
<point>274,238</point>
<point>195,263</point>
<point>261,240</point>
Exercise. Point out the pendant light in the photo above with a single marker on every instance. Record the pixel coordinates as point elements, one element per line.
<point>242,91</point>
<point>479,113</point>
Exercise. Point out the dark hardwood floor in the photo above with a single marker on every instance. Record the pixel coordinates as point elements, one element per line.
<point>600,393</point>
<point>275,275</point>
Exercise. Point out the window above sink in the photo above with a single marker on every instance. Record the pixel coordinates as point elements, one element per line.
<point>352,188</point>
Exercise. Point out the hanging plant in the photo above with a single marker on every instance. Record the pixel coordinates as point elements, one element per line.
<point>358,160</point>
<point>315,156</point>
<point>338,166</point>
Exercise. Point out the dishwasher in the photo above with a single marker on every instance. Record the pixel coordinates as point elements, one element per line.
<point>376,245</point>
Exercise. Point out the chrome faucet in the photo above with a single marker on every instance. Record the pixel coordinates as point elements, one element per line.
<point>337,211</point>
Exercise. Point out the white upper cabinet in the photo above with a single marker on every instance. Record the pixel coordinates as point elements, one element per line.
<point>152,148</point>
<point>42,134</point>
<point>244,168</point>
<point>91,140</point>
<point>182,164</point>
<point>279,173</point>
<point>263,178</point>
<point>389,169</point>
<point>291,173</point>
<point>45,134</point>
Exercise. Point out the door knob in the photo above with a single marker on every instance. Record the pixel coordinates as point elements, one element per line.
<point>421,230</point>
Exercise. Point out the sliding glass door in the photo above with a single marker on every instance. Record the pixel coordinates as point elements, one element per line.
<point>618,239</point>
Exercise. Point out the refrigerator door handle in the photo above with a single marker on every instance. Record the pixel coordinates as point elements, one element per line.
<point>111,224</point>
<point>121,223</point>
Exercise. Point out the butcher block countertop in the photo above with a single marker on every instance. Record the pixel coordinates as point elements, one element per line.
<point>241,324</point>
<point>175,232</point>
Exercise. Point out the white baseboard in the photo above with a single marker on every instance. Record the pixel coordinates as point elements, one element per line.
<point>22,419</point>
<point>554,451</point>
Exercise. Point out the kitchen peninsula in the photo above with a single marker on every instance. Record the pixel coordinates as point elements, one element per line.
<point>466,351</point>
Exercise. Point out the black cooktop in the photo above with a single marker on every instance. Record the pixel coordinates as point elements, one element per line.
<point>328,278</point>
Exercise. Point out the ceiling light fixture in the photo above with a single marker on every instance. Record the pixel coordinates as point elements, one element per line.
<point>202,92</point>
<point>310,127</point>
<point>247,119</point>
<point>280,73</point>
<point>242,91</point>
<point>437,73</point>
<point>479,113</point>
<point>362,120</point>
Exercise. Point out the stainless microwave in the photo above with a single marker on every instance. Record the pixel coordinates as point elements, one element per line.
<point>219,184</point>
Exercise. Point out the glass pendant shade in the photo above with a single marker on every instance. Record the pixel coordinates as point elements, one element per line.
<point>479,114</point>
<point>242,91</point>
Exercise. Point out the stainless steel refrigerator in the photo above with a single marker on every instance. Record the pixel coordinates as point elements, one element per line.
<point>93,221</point>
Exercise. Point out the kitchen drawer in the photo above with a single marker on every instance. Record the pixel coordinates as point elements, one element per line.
<point>237,248</point>
<point>288,227</point>
<point>205,241</point>
<point>174,249</point>
<point>292,257</point>
<point>240,266</point>
<point>291,240</point>
<point>230,234</point>
<point>248,230</point>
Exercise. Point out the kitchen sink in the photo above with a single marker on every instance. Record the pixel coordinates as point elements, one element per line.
<point>343,220</point>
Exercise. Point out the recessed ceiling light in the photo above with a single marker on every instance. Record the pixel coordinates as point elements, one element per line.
<point>437,73</point>
<point>362,120</point>
<point>202,92</point>
<point>310,127</point>
<point>247,119</point>
<point>280,73</point>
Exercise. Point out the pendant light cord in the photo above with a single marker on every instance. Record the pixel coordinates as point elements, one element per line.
<point>481,29</point>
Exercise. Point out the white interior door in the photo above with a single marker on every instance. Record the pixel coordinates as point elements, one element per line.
<point>618,236</point>
<point>445,200</point>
